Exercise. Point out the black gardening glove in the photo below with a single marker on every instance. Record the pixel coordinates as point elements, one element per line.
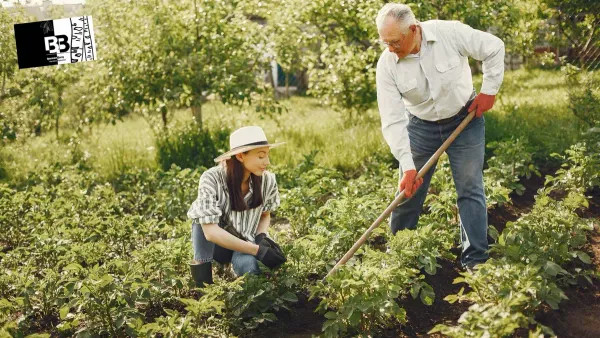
<point>269,242</point>
<point>269,256</point>
<point>259,237</point>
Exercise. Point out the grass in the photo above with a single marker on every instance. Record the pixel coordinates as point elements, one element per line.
<point>308,126</point>
<point>110,150</point>
<point>532,104</point>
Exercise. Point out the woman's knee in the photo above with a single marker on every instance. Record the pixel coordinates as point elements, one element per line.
<point>244,263</point>
<point>202,248</point>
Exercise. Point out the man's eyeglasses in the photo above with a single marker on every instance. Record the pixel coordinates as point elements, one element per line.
<point>395,44</point>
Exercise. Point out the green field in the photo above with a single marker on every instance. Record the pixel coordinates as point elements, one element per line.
<point>97,242</point>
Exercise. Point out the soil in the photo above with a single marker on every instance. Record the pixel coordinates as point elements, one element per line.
<point>300,322</point>
<point>579,316</point>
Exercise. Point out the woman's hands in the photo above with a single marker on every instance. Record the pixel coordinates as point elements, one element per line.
<point>269,252</point>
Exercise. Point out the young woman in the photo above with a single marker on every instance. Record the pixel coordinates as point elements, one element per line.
<point>231,215</point>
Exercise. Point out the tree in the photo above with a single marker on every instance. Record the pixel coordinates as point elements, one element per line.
<point>344,74</point>
<point>8,50</point>
<point>576,24</point>
<point>290,38</point>
<point>44,89</point>
<point>162,54</point>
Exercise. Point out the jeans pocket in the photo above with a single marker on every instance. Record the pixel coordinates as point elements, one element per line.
<point>413,119</point>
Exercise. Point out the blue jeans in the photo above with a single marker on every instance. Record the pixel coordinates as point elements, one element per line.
<point>203,252</point>
<point>466,155</point>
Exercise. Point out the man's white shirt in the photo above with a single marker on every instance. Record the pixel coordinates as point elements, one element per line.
<point>435,83</point>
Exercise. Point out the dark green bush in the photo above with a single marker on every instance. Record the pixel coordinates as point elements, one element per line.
<point>190,146</point>
<point>584,100</point>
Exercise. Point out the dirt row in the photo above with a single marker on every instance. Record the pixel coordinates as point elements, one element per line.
<point>579,316</point>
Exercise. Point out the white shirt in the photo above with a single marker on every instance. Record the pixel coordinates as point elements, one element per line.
<point>435,83</point>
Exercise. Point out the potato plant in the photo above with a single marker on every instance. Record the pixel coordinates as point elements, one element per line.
<point>527,265</point>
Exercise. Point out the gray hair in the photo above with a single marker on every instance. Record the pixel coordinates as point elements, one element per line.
<point>402,13</point>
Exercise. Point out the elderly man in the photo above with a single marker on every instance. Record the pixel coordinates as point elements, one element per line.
<point>423,81</point>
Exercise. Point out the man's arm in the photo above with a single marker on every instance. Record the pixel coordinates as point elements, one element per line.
<point>484,47</point>
<point>393,118</point>
<point>393,125</point>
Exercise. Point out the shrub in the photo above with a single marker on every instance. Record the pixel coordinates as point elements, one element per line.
<point>190,147</point>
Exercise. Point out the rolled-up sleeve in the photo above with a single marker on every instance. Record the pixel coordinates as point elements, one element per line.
<point>484,47</point>
<point>393,118</point>
<point>206,208</point>
<point>271,199</point>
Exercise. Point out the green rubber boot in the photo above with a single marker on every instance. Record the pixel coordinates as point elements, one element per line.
<point>201,273</point>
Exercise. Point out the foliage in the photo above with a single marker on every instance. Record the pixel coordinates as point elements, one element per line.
<point>584,94</point>
<point>186,51</point>
<point>512,161</point>
<point>531,254</point>
<point>575,25</point>
<point>190,146</point>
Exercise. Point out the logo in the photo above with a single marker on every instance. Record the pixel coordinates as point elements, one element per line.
<point>52,43</point>
<point>55,42</point>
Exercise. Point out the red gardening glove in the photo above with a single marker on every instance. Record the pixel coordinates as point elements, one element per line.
<point>482,103</point>
<point>408,183</point>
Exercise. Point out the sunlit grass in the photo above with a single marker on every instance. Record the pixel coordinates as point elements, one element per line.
<point>532,104</point>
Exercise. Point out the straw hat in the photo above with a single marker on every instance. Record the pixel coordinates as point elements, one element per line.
<point>245,139</point>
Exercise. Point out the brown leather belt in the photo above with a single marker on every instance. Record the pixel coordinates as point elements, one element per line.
<point>460,115</point>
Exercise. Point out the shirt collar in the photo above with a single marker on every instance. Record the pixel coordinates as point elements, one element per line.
<point>428,29</point>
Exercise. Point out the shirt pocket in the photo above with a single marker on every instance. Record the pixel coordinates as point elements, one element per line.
<point>448,69</point>
<point>406,86</point>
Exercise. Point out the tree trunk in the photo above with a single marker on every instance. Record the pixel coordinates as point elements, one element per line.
<point>3,83</point>
<point>197,113</point>
<point>302,82</point>
<point>271,80</point>
<point>287,85</point>
<point>163,115</point>
<point>58,113</point>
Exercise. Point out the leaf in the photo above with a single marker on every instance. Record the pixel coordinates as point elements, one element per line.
<point>331,315</point>
<point>427,294</point>
<point>451,299</point>
<point>552,268</point>
<point>269,316</point>
<point>458,280</point>
<point>290,297</point>
<point>354,318</point>
<point>437,328</point>
<point>327,324</point>
<point>501,240</point>
<point>73,267</point>
<point>553,303</point>
<point>120,321</point>
<point>493,232</point>
<point>104,281</point>
<point>414,290</point>
<point>63,312</point>
<point>584,257</point>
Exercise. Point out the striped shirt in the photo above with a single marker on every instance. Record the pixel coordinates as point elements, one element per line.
<point>213,205</point>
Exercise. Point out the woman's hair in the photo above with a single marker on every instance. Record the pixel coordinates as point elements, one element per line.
<point>235,174</point>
